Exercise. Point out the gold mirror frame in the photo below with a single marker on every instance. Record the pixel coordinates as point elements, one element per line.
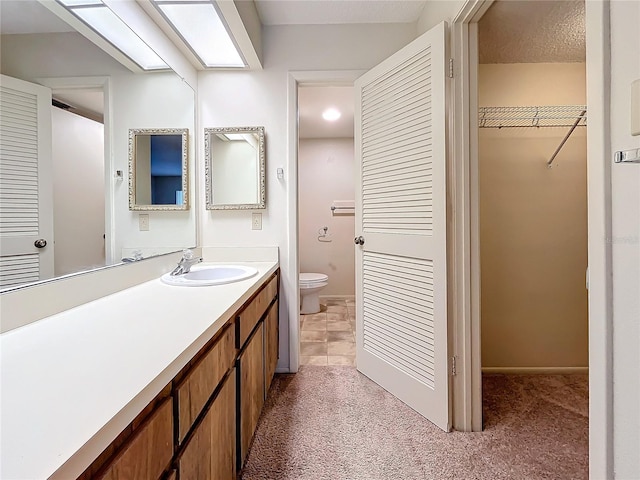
<point>184,132</point>
<point>261,163</point>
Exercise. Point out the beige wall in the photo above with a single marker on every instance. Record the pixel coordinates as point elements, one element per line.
<point>325,174</point>
<point>533,224</point>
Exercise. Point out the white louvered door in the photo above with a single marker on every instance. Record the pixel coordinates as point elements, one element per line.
<point>401,291</point>
<point>26,189</point>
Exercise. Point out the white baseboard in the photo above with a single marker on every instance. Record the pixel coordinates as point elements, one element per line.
<point>536,370</point>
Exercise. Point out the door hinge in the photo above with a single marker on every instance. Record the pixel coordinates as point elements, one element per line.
<point>453,366</point>
<point>451,68</point>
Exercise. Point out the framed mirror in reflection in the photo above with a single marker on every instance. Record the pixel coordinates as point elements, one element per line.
<point>158,169</point>
<point>235,168</point>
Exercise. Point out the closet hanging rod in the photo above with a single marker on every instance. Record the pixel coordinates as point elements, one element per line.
<point>532,116</point>
<point>564,140</point>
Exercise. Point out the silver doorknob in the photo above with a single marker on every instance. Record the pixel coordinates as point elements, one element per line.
<point>40,243</point>
<point>359,240</point>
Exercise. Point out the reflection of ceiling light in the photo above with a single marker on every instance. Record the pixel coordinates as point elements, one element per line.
<point>231,137</point>
<point>331,114</point>
<point>107,24</point>
<point>202,29</point>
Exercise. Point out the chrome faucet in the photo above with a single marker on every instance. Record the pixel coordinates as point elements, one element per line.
<point>185,264</point>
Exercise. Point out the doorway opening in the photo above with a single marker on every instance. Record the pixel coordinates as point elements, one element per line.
<point>78,154</point>
<point>326,224</point>
<point>532,209</point>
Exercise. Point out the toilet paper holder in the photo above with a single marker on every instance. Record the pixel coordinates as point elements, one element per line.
<point>323,236</point>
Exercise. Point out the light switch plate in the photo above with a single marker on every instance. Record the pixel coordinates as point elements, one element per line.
<point>143,222</point>
<point>256,221</point>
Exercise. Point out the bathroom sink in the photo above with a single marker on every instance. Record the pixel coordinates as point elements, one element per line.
<point>204,275</point>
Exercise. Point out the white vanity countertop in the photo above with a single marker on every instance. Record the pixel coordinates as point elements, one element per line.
<point>70,383</point>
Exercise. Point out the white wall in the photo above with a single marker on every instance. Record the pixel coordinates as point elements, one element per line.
<point>325,174</point>
<point>78,192</point>
<point>625,204</point>
<point>263,101</point>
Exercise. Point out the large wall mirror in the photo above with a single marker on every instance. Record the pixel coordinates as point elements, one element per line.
<point>89,223</point>
<point>235,168</point>
<point>158,169</point>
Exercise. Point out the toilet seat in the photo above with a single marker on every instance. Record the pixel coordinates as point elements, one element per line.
<point>312,279</point>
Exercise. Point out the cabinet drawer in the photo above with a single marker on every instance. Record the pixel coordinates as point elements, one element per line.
<point>150,450</point>
<point>197,387</point>
<point>252,313</point>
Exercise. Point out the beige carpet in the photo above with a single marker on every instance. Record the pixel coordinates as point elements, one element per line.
<point>333,423</point>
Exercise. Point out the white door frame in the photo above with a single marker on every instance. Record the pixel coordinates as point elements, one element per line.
<point>295,79</point>
<point>464,286</point>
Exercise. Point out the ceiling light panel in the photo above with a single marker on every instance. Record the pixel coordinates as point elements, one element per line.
<point>80,3</point>
<point>200,26</point>
<point>106,23</point>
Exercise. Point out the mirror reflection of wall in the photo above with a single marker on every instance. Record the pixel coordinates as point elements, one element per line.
<point>157,165</point>
<point>236,163</point>
<point>78,173</point>
<point>39,48</point>
<point>235,171</point>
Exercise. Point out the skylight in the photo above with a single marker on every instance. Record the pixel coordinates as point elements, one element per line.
<point>101,18</point>
<point>199,24</point>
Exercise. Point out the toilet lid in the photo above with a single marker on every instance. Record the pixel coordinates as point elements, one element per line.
<point>313,277</point>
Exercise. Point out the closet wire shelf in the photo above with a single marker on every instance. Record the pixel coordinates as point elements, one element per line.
<point>534,116</point>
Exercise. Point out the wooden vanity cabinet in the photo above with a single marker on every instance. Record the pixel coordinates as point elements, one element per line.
<point>201,425</point>
<point>210,451</point>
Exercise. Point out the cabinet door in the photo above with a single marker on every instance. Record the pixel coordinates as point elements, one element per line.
<point>149,452</point>
<point>270,346</point>
<point>251,373</point>
<point>210,453</point>
<point>197,387</point>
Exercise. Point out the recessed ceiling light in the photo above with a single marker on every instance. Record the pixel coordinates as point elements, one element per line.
<point>200,26</point>
<point>109,26</point>
<point>331,114</point>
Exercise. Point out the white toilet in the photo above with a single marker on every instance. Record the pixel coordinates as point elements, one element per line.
<point>310,285</point>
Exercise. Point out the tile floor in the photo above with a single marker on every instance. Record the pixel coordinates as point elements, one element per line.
<point>328,337</point>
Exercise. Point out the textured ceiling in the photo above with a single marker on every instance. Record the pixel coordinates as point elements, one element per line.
<point>312,101</point>
<point>533,31</point>
<point>315,12</point>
